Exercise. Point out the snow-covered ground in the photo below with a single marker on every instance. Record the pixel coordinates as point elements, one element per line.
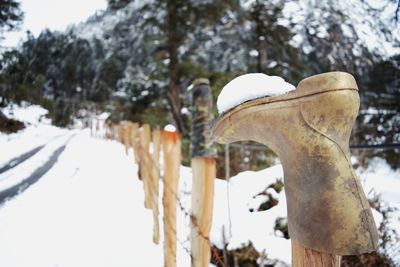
<point>88,210</point>
<point>38,131</point>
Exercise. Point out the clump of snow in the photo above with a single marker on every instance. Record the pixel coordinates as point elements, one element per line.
<point>190,87</point>
<point>185,110</point>
<point>380,180</point>
<point>104,116</point>
<point>27,113</point>
<point>170,128</point>
<point>250,86</point>
<point>247,226</point>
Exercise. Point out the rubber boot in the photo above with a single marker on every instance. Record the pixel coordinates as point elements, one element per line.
<point>309,129</point>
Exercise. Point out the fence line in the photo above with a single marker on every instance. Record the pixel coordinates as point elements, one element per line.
<point>143,153</point>
<point>116,132</point>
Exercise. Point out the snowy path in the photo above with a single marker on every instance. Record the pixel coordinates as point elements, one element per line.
<point>86,211</point>
<point>14,162</point>
<point>18,160</point>
<point>34,177</point>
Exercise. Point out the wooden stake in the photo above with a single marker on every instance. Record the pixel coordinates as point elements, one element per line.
<point>304,257</point>
<point>135,140</point>
<point>155,183</point>
<point>121,132</point>
<point>91,126</point>
<point>202,206</point>
<point>97,126</point>
<point>145,162</point>
<point>172,159</point>
<point>203,169</point>
<point>127,136</point>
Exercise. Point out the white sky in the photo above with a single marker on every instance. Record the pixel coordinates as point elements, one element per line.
<point>52,14</point>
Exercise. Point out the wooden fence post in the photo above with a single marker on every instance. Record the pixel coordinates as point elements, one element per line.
<point>134,141</point>
<point>114,131</point>
<point>121,132</point>
<point>172,159</point>
<point>204,171</point>
<point>155,183</point>
<point>127,136</point>
<point>304,257</point>
<point>145,162</point>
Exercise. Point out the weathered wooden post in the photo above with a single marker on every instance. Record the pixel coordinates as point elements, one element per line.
<point>97,127</point>
<point>155,183</point>
<point>171,144</point>
<point>91,126</point>
<point>135,141</point>
<point>309,129</point>
<point>203,168</point>
<point>127,136</point>
<point>121,132</point>
<point>145,162</point>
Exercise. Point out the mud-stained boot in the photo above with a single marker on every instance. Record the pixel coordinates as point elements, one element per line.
<point>309,129</point>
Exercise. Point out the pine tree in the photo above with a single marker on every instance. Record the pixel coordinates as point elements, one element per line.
<point>178,19</point>
<point>11,15</point>
<point>270,42</point>
<point>117,4</point>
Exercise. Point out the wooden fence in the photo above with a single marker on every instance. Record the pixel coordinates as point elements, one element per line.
<point>158,156</point>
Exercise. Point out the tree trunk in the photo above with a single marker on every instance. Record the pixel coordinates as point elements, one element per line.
<point>261,42</point>
<point>173,44</point>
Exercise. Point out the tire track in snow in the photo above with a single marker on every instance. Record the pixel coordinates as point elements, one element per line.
<point>17,189</point>
<point>17,160</point>
<point>21,158</point>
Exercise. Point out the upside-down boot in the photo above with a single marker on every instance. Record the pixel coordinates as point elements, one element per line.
<point>309,129</point>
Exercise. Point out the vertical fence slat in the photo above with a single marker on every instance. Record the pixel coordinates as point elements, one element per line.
<point>121,132</point>
<point>155,183</point>
<point>204,171</point>
<point>304,257</point>
<point>145,162</point>
<point>126,136</point>
<point>172,158</point>
<point>134,141</point>
<point>202,207</point>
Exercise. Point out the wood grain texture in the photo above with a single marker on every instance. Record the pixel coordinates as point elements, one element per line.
<point>202,208</point>
<point>304,257</point>
<point>172,159</point>
<point>121,133</point>
<point>155,184</point>
<point>126,136</point>
<point>145,162</point>
<point>135,141</point>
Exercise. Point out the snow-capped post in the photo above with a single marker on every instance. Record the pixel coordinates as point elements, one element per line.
<point>171,144</point>
<point>145,162</point>
<point>203,168</point>
<point>155,183</point>
<point>309,129</point>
